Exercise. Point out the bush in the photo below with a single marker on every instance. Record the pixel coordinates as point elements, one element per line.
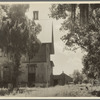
<point>85,81</point>
<point>3,92</point>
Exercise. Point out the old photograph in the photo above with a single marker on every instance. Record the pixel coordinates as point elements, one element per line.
<point>49,49</point>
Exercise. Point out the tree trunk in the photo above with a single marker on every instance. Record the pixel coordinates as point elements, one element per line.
<point>16,69</point>
<point>84,14</point>
<point>73,10</point>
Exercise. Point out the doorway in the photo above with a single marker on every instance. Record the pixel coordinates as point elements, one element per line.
<point>31,75</point>
<point>55,82</point>
<point>31,79</point>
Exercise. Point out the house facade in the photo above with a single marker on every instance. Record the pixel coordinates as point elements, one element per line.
<point>38,71</point>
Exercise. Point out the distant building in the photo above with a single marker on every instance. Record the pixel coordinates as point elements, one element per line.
<point>61,79</point>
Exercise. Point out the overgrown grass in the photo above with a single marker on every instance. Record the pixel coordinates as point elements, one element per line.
<point>57,91</point>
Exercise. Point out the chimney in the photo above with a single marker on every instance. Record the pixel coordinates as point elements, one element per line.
<point>35,15</point>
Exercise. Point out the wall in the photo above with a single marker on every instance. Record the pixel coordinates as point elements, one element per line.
<point>43,69</point>
<point>41,74</point>
<point>5,71</point>
<point>49,67</point>
<point>23,75</point>
<point>41,78</point>
<point>38,58</point>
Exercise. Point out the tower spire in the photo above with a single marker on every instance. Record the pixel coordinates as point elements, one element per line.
<point>52,40</point>
<point>52,34</point>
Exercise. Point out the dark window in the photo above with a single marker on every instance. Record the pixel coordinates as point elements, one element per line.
<point>35,15</point>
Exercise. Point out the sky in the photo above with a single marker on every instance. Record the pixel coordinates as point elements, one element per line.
<point>64,60</point>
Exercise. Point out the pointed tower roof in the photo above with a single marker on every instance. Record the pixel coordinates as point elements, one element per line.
<point>52,34</point>
<point>52,44</point>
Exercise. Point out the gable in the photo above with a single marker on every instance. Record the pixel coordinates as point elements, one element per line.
<point>41,55</point>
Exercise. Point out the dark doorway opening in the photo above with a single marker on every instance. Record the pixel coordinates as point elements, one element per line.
<point>31,79</point>
<point>31,75</point>
<point>55,82</point>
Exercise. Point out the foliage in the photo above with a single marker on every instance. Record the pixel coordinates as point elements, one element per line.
<point>83,30</point>
<point>16,34</point>
<point>59,10</point>
<point>77,77</point>
<point>33,43</point>
<point>91,66</point>
<point>70,90</point>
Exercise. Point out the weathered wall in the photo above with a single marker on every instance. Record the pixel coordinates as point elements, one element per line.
<point>39,57</point>
<point>43,69</point>
<point>41,75</point>
<point>5,71</point>
<point>49,67</point>
<point>23,75</point>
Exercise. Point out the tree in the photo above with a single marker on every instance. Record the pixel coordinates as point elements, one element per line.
<point>77,77</point>
<point>82,23</point>
<point>16,36</point>
<point>91,66</point>
<point>33,43</point>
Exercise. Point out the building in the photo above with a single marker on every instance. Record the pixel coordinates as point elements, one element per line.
<point>6,69</point>
<point>61,79</point>
<point>38,72</point>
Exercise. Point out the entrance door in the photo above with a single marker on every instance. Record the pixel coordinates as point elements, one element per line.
<point>31,75</point>
<point>31,79</point>
<point>55,82</point>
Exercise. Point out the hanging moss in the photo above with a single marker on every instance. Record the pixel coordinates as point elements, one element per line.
<point>84,13</point>
<point>73,12</point>
<point>95,6</point>
<point>73,6</point>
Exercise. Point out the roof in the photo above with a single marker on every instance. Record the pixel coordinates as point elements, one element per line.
<point>59,76</point>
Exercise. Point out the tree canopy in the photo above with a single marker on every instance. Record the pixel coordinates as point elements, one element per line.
<point>17,34</point>
<point>82,27</point>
